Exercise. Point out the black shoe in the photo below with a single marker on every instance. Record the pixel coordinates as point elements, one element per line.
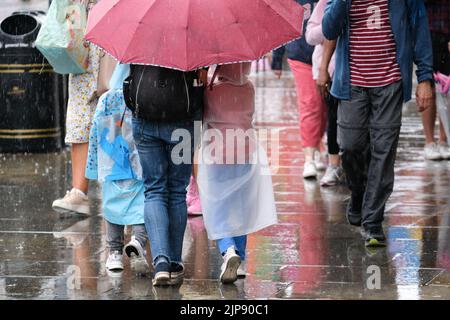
<point>162,274</point>
<point>354,208</point>
<point>375,237</point>
<point>176,273</point>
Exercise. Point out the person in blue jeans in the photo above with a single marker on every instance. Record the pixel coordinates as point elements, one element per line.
<point>165,183</point>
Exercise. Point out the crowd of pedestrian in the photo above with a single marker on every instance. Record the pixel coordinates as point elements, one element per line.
<point>353,71</point>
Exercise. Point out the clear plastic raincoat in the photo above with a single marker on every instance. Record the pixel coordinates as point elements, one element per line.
<point>234,178</point>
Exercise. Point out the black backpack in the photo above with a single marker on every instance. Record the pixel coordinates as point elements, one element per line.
<point>162,94</point>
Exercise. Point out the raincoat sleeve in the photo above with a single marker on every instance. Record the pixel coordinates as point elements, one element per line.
<point>334,18</point>
<point>423,54</point>
<point>92,161</point>
<point>277,58</point>
<point>314,35</point>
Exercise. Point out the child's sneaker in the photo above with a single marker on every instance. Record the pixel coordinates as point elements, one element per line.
<point>74,201</point>
<point>309,170</point>
<point>114,262</point>
<point>230,266</point>
<point>137,257</point>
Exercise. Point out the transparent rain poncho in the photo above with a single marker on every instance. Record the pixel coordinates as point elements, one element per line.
<point>234,177</point>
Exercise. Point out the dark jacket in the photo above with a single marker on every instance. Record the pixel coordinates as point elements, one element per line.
<point>299,49</point>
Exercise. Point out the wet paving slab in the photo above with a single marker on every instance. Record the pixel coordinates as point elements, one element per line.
<point>312,253</point>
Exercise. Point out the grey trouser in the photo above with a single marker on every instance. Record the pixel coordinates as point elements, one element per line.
<point>368,132</point>
<point>115,236</point>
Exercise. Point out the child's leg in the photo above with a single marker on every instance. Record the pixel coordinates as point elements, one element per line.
<point>241,245</point>
<point>114,237</point>
<point>225,243</point>
<point>140,234</point>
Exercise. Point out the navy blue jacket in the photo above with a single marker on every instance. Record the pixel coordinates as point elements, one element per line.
<point>299,49</point>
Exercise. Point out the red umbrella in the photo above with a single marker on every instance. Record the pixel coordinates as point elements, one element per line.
<point>190,34</point>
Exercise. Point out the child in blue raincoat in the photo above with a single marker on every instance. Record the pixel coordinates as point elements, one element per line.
<point>113,161</point>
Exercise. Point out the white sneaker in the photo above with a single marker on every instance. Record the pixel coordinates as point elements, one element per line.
<point>114,262</point>
<point>136,253</point>
<point>74,201</point>
<point>242,270</point>
<point>332,177</point>
<point>309,170</point>
<point>230,266</point>
<point>431,151</point>
<point>320,165</point>
<point>444,150</point>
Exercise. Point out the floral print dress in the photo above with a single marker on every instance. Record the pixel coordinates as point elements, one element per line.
<point>83,97</point>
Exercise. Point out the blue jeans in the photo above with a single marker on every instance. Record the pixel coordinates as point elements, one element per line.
<point>165,183</point>
<point>239,243</point>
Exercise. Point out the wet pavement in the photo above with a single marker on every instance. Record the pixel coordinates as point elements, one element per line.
<point>311,254</point>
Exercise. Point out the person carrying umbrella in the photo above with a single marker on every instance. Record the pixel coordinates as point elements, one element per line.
<point>166,43</point>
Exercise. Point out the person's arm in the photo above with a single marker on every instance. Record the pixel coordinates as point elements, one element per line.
<point>277,60</point>
<point>334,19</point>
<point>323,80</point>
<point>314,35</point>
<point>423,56</point>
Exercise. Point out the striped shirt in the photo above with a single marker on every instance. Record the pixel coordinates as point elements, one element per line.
<point>373,59</point>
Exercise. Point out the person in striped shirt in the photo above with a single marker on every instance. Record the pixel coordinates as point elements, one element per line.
<point>377,43</point>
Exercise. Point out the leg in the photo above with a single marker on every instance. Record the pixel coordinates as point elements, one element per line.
<point>140,234</point>
<point>333,147</point>
<point>385,123</point>
<point>153,158</point>
<point>241,246</point>
<point>310,104</point>
<point>428,121</point>
<point>353,139</point>
<point>224,244</point>
<point>178,180</point>
<point>79,156</point>
<point>114,237</point>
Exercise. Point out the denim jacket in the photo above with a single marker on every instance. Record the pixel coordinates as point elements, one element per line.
<point>409,24</point>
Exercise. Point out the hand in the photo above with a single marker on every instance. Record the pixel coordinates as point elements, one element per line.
<point>323,82</point>
<point>203,76</point>
<point>424,96</point>
<point>278,73</point>
<point>448,46</point>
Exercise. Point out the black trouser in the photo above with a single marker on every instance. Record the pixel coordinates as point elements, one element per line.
<point>332,105</point>
<point>368,132</point>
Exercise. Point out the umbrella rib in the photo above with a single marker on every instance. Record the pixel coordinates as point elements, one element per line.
<point>243,34</point>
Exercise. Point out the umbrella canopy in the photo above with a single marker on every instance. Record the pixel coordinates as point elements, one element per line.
<point>190,34</point>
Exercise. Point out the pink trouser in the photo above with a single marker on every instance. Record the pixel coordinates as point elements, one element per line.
<point>311,107</point>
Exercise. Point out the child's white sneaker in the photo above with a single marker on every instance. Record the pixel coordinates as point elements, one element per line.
<point>74,201</point>
<point>230,266</point>
<point>114,262</point>
<point>137,257</point>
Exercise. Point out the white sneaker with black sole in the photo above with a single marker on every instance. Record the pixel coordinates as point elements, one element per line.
<point>230,266</point>
<point>114,262</point>
<point>136,253</point>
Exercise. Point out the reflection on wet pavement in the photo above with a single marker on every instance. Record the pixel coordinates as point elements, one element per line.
<point>311,254</point>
